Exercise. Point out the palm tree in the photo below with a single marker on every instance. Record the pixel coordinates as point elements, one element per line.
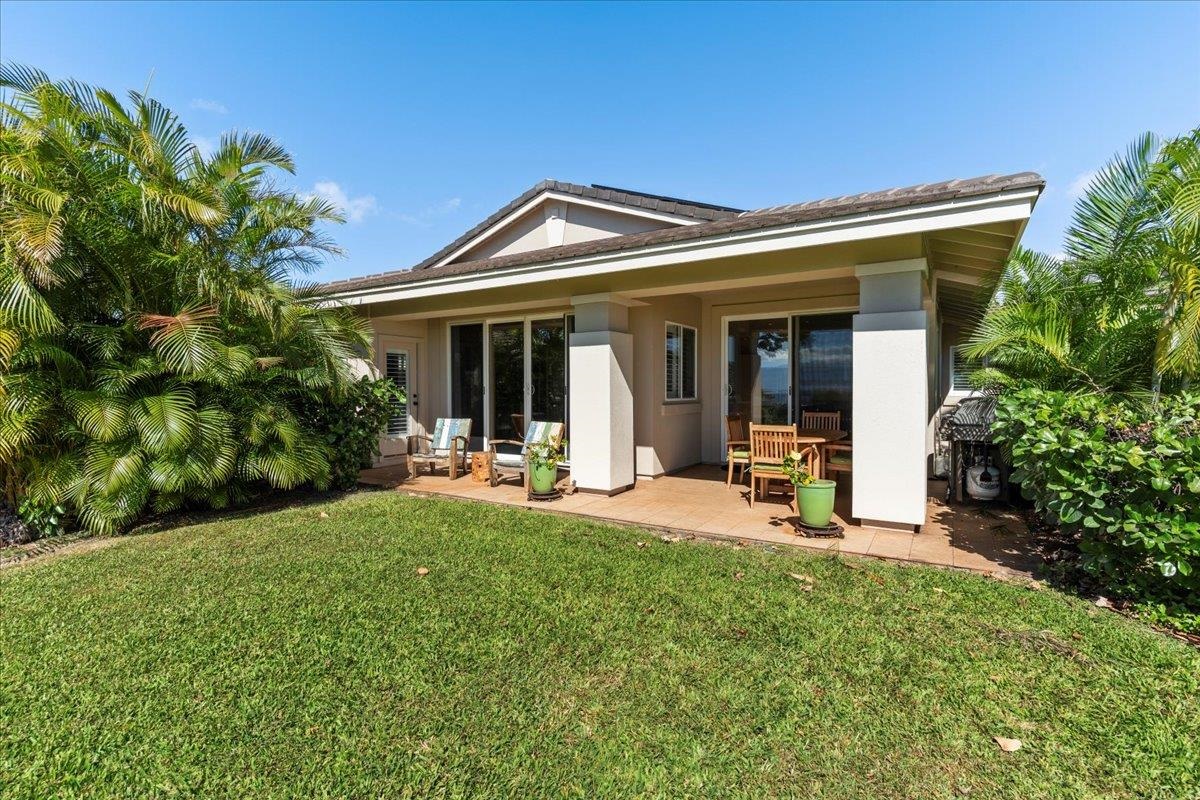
<point>154,348</point>
<point>1121,311</point>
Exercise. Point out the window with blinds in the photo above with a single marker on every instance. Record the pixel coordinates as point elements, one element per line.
<point>681,362</point>
<point>961,370</point>
<point>397,372</point>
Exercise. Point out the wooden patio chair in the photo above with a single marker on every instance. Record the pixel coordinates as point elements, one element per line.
<point>737,447</point>
<point>447,447</point>
<point>506,463</point>
<point>821,420</point>
<point>769,445</point>
<point>837,457</point>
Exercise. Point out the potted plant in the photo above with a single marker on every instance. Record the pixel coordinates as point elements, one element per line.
<point>814,496</point>
<point>543,458</point>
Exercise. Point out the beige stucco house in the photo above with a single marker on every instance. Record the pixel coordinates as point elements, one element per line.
<point>641,320</point>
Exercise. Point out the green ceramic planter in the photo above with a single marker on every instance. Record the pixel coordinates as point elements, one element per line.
<point>816,502</point>
<point>541,478</point>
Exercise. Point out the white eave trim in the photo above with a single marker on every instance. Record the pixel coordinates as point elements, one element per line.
<point>562,197</point>
<point>1009,206</point>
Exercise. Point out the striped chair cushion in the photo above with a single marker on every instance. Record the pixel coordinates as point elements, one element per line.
<point>543,432</point>
<point>446,430</point>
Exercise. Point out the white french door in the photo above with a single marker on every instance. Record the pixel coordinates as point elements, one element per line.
<point>400,367</point>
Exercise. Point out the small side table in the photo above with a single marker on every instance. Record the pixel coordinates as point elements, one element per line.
<point>481,466</point>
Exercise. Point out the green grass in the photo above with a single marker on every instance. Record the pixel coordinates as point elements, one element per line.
<point>285,655</point>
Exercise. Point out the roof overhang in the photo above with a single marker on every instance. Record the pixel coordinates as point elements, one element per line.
<point>979,213</point>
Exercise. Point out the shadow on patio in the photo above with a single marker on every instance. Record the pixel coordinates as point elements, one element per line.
<point>695,501</point>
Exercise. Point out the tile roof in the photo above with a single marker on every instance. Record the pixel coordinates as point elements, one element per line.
<point>725,221</point>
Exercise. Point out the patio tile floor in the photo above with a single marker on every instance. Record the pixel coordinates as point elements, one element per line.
<point>695,501</point>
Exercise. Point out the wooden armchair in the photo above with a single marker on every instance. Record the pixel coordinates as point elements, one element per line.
<point>769,445</point>
<point>837,457</point>
<point>821,420</point>
<point>737,447</point>
<point>447,447</point>
<point>506,462</point>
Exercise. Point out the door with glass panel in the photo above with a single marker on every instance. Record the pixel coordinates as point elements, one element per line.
<point>506,341</point>
<point>823,360</point>
<point>504,374</point>
<point>758,370</point>
<point>548,370</point>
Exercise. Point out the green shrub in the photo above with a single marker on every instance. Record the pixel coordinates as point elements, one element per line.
<point>156,350</point>
<point>1124,476</point>
<point>352,425</point>
<point>41,518</point>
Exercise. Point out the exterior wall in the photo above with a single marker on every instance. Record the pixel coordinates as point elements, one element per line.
<point>666,433</point>
<point>526,233</point>
<point>813,297</point>
<point>557,222</point>
<point>585,223</point>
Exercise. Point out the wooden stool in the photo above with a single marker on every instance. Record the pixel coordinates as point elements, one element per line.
<point>481,466</point>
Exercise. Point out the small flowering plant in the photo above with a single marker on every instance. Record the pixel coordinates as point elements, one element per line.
<point>545,454</point>
<point>796,468</point>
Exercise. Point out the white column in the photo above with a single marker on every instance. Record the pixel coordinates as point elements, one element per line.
<point>891,394</point>
<point>601,358</point>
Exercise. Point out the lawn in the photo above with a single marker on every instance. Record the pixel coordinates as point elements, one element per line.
<point>291,654</point>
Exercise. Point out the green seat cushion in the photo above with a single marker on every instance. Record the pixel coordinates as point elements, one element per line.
<point>768,468</point>
<point>741,453</point>
<point>839,459</point>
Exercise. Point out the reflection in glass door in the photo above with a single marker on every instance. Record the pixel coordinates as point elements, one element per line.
<point>823,346</point>
<point>548,370</point>
<point>758,370</point>
<point>507,357</point>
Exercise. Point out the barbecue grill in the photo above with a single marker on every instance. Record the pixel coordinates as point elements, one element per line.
<point>968,429</point>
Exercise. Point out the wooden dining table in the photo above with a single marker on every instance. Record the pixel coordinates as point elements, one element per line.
<point>807,436</point>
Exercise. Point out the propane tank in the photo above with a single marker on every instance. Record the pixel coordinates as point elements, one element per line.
<point>983,481</point>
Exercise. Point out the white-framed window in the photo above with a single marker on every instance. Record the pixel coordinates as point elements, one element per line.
<point>680,362</point>
<point>961,370</point>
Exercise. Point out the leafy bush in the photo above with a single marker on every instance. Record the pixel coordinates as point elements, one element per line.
<point>43,520</point>
<point>351,426</point>
<point>1124,475</point>
<point>154,348</point>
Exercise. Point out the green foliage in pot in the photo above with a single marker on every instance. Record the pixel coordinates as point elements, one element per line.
<point>795,467</point>
<point>1124,475</point>
<point>545,455</point>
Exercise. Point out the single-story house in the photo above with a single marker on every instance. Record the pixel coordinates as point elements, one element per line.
<point>642,320</point>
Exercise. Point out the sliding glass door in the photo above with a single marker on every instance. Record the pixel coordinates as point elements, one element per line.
<point>548,369</point>
<point>507,356</point>
<point>823,359</point>
<point>504,374</point>
<point>757,364</point>
<point>466,377</point>
<point>779,367</point>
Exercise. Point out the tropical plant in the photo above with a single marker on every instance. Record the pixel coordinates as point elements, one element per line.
<point>1122,476</point>
<point>1121,310</point>
<point>351,425</point>
<point>154,349</point>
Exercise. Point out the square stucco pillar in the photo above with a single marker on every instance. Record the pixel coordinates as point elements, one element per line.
<point>890,394</point>
<point>601,361</point>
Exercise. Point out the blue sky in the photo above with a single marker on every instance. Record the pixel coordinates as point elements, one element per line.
<point>422,119</point>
